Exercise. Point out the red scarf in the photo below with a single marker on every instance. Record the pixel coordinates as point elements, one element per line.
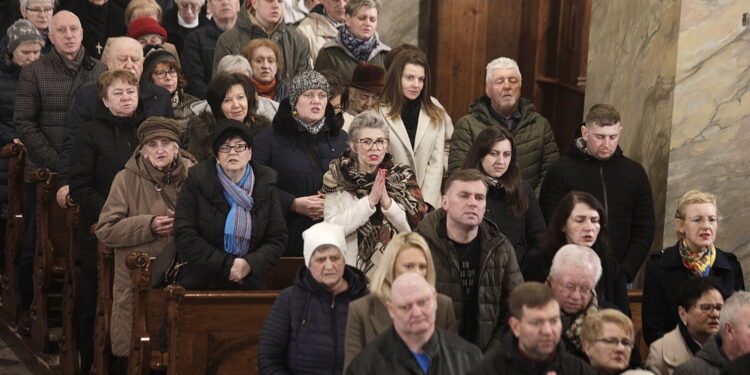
<point>268,90</point>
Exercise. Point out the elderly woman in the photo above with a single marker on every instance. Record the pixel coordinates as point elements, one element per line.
<point>304,332</point>
<point>696,224</point>
<point>238,64</point>
<point>357,40</point>
<point>699,303</point>
<point>300,144</point>
<point>369,195</point>
<point>38,12</point>
<point>368,317</point>
<point>163,69</point>
<point>229,227</point>
<point>511,202</point>
<point>580,220</point>
<point>229,96</point>
<point>139,212</point>
<point>142,8</point>
<point>608,339</point>
<point>267,64</point>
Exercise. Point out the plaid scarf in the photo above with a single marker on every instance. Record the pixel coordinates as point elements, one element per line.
<point>573,333</point>
<point>698,263</point>
<point>239,223</point>
<point>361,49</point>
<point>402,187</point>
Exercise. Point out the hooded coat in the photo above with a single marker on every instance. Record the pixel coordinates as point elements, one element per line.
<point>304,332</point>
<point>334,56</point>
<point>300,158</point>
<point>536,149</point>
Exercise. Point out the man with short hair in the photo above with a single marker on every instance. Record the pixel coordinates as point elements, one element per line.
<point>533,346</point>
<point>413,344</point>
<point>595,164</point>
<point>185,17</point>
<point>475,262</point>
<point>502,105</point>
<point>365,89</point>
<point>731,342</point>
<point>322,23</point>
<point>197,55</point>
<point>265,19</point>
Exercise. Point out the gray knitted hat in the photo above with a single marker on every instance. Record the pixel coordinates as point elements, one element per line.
<point>307,80</point>
<point>22,31</point>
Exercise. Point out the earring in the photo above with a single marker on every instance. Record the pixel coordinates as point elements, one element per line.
<point>294,112</point>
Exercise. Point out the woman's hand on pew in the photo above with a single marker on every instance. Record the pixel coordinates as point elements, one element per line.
<point>240,269</point>
<point>162,225</point>
<point>62,196</point>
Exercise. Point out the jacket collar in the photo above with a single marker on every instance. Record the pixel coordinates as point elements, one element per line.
<point>510,352</point>
<point>577,151</point>
<point>354,277</point>
<point>87,63</point>
<point>712,353</point>
<point>670,258</point>
<point>397,348</point>
<point>285,123</point>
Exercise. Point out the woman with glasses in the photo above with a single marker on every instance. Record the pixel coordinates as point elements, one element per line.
<point>699,304</point>
<point>163,69</point>
<point>608,339</point>
<point>368,194</point>
<point>229,226</point>
<point>419,124</point>
<point>696,224</point>
<point>38,12</point>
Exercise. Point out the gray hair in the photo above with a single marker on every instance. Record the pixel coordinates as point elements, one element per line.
<point>25,3</point>
<point>51,24</point>
<point>576,256</point>
<point>353,6</point>
<point>501,63</point>
<point>369,120</point>
<point>234,63</point>
<point>732,310</point>
<point>203,2</point>
<point>119,39</point>
<point>176,145</point>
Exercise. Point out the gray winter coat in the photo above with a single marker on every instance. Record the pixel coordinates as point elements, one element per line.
<point>710,360</point>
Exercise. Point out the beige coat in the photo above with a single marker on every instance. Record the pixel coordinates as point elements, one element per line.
<point>668,352</point>
<point>318,30</point>
<point>427,158</point>
<point>125,225</point>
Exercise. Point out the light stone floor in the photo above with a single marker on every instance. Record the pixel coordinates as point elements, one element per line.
<point>9,363</point>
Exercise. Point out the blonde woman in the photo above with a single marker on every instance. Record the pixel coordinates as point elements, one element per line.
<point>368,317</point>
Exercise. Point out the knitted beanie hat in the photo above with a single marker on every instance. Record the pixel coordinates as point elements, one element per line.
<point>307,80</point>
<point>158,126</point>
<point>22,31</point>
<point>144,26</point>
<point>322,234</point>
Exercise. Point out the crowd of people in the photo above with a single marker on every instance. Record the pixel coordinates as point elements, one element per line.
<point>198,130</point>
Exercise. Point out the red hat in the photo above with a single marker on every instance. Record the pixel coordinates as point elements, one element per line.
<point>144,26</point>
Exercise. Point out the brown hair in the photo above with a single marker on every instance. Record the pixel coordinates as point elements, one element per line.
<point>511,180</point>
<point>531,294</point>
<point>393,93</point>
<point>254,44</point>
<point>171,64</point>
<point>602,115</point>
<point>691,197</point>
<point>395,51</point>
<point>110,76</point>
<point>143,5</point>
<point>465,175</point>
<point>554,237</point>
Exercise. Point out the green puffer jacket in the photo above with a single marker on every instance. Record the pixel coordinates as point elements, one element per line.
<point>294,46</point>
<point>498,276</point>
<point>535,142</point>
<point>334,56</point>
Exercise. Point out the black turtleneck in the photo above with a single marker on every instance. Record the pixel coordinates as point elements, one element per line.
<point>410,117</point>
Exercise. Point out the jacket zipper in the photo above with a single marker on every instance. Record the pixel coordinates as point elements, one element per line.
<point>604,190</point>
<point>335,333</point>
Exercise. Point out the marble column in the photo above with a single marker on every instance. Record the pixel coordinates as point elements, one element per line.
<point>677,70</point>
<point>404,21</point>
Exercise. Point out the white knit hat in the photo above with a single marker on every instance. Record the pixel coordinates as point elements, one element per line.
<point>322,234</point>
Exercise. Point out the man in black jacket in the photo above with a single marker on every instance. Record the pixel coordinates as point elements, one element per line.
<point>414,345</point>
<point>120,53</point>
<point>596,165</point>
<point>533,346</point>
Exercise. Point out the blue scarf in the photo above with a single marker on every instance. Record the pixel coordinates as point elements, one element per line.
<point>361,49</point>
<point>239,224</point>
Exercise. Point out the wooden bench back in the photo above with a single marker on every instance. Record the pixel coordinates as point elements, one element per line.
<point>635,297</point>
<point>14,230</point>
<point>282,275</point>
<point>149,312</point>
<point>102,338</point>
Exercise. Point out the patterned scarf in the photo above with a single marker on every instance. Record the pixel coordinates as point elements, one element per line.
<point>310,128</point>
<point>239,224</point>
<point>401,186</point>
<point>361,49</point>
<point>698,263</point>
<point>573,333</point>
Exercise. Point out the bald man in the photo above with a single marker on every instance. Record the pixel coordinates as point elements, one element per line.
<point>413,344</point>
<point>44,97</point>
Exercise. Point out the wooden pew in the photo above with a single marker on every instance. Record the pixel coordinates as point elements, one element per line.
<point>70,305</point>
<point>50,260</point>
<point>14,231</point>
<point>216,332</point>
<point>636,307</point>
<point>283,273</point>
<point>105,279</point>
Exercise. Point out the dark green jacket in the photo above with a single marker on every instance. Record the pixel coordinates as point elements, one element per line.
<point>336,57</point>
<point>535,142</point>
<point>294,46</point>
<point>498,275</point>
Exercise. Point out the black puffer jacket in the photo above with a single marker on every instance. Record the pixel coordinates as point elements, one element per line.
<point>197,58</point>
<point>285,147</point>
<point>499,275</point>
<point>388,354</point>
<point>304,332</point>
<point>101,150</point>
<point>8,78</point>
<point>622,187</point>
<point>199,230</point>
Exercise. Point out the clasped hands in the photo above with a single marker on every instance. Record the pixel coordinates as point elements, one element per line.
<point>379,194</point>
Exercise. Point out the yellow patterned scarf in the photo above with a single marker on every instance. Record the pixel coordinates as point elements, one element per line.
<point>698,263</point>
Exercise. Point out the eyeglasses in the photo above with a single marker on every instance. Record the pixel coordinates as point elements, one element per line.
<point>708,307</point>
<point>570,288</point>
<point>162,73</point>
<point>238,148</point>
<point>40,10</point>
<point>613,341</point>
<point>186,6</point>
<point>368,143</point>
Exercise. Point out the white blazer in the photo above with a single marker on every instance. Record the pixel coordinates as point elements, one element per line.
<point>427,157</point>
